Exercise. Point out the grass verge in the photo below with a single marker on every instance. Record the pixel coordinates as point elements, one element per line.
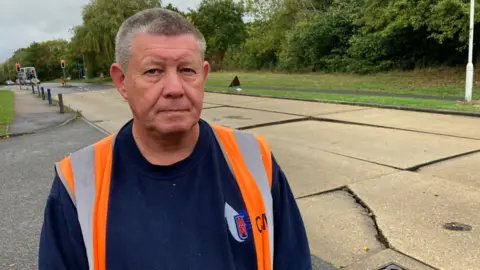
<point>374,100</point>
<point>6,110</point>
<point>430,82</point>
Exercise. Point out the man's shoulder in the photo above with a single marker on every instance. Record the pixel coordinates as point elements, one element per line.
<point>104,144</point>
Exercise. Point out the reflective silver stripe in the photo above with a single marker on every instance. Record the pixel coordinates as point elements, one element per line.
<point>252,155</point>
<point>65,183</point>
<point>83,166</point>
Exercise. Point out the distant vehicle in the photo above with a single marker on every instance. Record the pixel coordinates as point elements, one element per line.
<point>10,82</point>
<point>28,75</point>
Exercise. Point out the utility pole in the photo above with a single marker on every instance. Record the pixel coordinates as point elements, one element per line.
<point>62,65</point>
<point>17,68</point>
<point>83,70</point>
<point>469,79</point>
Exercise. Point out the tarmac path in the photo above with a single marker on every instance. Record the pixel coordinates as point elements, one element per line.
<point>26,174</point>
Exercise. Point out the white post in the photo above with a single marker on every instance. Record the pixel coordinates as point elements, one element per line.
<point>469,79</point>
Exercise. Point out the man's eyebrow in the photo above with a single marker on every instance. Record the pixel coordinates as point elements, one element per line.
<point>186,62</point>
<point>153,62</point>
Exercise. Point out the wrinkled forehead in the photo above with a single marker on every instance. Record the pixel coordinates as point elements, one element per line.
<point>172,48</point>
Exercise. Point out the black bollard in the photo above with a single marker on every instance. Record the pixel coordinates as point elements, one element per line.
<point>43,94</point>
<point>49,96</point>
<point>60,103</point>
<point>33,89</point>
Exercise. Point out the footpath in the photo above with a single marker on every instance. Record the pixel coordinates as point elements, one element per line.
<point>37,138</point>
<point>26,176</point>
<point>32,113</point>
<point>377,188</point>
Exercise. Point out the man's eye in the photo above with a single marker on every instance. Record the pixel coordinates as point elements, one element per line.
<point>153,71</point>
<point>188,71</point>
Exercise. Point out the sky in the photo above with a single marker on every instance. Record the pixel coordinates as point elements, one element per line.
<point>23,22</point>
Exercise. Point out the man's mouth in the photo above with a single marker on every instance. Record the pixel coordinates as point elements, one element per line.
<point>174,110</point>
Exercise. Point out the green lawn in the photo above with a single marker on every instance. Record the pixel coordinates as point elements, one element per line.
<point>430,82</point>
<point>6,110</point>
<point>407,102</point>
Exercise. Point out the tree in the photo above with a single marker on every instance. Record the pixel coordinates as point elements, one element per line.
<point>319,37</point>
<point>292,35</point>
<point>44,56</point>
<point>262,10</point>
<point>95,38</point>
<point>221,23</point>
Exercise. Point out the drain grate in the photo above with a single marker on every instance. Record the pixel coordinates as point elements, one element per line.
<point>392,266</point>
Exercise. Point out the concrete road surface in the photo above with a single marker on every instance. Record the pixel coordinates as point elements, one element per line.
<point>57,88</point>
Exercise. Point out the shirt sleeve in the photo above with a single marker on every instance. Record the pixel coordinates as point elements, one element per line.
<point>291,244</point>
<point>61,242</point>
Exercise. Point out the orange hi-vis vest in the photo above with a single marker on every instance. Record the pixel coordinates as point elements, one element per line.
<point>86,175</point>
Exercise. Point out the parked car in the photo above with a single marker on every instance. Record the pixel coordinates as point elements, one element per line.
<point>9,82</point>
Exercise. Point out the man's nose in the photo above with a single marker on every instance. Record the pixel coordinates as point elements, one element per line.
<point>173,85</point>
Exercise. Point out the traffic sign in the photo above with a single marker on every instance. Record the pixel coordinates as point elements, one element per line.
<point>62,63</point>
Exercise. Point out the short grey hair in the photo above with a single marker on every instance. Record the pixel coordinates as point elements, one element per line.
<point>157,21</point>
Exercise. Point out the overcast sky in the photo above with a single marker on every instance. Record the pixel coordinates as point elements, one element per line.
<point>25,21</point>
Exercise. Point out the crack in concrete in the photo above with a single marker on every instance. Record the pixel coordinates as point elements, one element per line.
<point>380,236</point>
<point>281,122</point>
<point>321,193</point>
<point>311,117</point>
<point>320,118</point>
<point>215,107</point>
<point>269,111</point>
<point>416,168</point>
<point>361,159</point>
<point>411,169</point>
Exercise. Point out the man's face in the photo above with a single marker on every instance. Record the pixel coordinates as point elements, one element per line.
<point>164,84</point>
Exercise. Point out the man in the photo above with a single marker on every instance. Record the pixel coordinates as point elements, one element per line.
<point>177,192</point>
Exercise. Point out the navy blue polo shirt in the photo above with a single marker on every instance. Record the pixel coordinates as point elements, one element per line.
<point>189,215</point>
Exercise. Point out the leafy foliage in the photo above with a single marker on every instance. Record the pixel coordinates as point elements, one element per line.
<point>220,21</point>
<point>289,35</point>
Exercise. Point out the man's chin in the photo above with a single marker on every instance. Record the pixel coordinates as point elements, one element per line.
<point>174,127</point>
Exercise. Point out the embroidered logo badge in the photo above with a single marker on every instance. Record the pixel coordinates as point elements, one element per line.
<point>238,223</point>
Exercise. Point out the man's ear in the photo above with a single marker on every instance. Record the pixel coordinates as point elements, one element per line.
<point>118,78</point>
<point>206,70</point>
